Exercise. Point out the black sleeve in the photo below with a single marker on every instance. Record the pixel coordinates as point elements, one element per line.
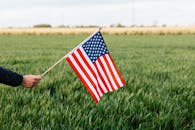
<point>9,77</point>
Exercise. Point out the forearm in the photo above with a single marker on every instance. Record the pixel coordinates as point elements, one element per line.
<point>9,77</point>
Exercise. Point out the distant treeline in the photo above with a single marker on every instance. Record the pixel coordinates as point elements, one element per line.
<point>92,26</point>
<point>62,26</point>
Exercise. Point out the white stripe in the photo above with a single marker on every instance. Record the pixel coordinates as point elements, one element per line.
<point>95,70</point>
<point>84,77</point>
<point>101,83</point>
<point>103,75</point>
<point>108,72</point>
<point>94,80</point>
<point>100,93</point>
<point>114,70</point>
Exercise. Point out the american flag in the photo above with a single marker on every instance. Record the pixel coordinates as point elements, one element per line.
<point>94,66</point>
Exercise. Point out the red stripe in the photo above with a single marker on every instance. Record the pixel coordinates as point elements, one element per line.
<point>122,80</point>
<point>85,72</point>
<point>100,75</point>
<point>82,80</point>
<point>111,72</point>
<point>104,70</point>
<point>90,68</point>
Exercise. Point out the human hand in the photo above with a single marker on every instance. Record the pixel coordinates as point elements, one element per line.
<point>29,81</point>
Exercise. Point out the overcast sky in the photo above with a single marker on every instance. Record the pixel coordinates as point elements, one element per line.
<point>25,13</point>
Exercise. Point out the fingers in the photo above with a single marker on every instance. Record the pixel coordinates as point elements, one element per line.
<point>37,77</point>
<point>30,81</point>
<point>36,83</point>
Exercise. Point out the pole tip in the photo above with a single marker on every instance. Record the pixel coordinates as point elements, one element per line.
<point>100,28</point>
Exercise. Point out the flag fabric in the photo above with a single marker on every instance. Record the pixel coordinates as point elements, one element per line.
<point>93,64</point>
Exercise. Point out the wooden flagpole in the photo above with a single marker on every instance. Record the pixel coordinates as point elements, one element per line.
<point>43,74</point>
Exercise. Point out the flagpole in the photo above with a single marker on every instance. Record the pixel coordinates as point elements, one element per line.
<point>43,74</point>
<point>100,28</point>
<point>49,69</point>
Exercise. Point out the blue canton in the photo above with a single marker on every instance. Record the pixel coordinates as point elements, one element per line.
<point>95,47</point>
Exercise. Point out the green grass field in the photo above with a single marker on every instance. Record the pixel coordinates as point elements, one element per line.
<point>159,94</point>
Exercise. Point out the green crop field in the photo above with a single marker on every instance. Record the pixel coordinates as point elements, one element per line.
<point>159,71</point>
